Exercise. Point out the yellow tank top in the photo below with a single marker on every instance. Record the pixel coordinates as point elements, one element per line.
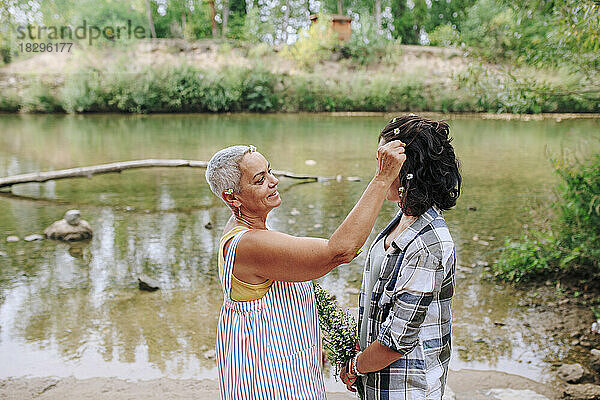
<point>241,291</point>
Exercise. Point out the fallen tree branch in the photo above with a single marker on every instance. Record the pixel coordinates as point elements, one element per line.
<point>88,172</point>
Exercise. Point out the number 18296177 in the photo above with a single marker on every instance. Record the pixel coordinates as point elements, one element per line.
<point>63,47</point>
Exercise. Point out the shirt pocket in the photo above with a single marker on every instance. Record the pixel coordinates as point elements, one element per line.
<point>417,275</point>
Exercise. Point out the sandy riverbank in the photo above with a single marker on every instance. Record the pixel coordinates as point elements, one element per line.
<point>464,384</point>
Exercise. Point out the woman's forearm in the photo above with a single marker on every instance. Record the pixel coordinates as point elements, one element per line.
<point>375,358</point>
<point>354,231</point>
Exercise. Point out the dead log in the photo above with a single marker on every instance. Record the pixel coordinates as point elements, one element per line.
<point>88,172</point>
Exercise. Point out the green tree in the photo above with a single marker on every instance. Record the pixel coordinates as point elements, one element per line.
<point>443,12</point>
<point>408,21</point>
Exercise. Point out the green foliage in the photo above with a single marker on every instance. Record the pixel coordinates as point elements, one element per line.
<point>314,44</point>
<point>526,259</point>
<point>444,35</point>
<point>339,329</point>
<point>237,19</point>
<point>316,94</point>
<point>499,91</point>
<point>574,250</point>
<point>10,101</point>
<point>258,92</point>
<point>83,92</point>
<point>489,28</point>
<point>535,32</point>
<point>367,45</point>
<point>254,29</point>
<point>580,211</point>
<point>188,89</point>
<point>409,21</point>
<point>596,311</point>
<point>39,98</point>
<point>451,13</point>
<point>5,53</point>
<point>183,89</point>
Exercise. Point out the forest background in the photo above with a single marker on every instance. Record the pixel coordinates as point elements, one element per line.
<point>265,55</point>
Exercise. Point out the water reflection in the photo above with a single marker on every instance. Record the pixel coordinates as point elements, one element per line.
<point>76,309</point>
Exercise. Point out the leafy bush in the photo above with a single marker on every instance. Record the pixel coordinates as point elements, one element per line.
<point>183,89</point>
<point>314,44</point>
<point>258,91</point>
<point>580,212</point>
<point>367,45</point>
<point>39,97</point>
<point>526,259</point>
<point>444,35</point>
<point>10,101</point>
<point>525,93</point>
<point>83,92</point>
<point>574,250</point>
<point>489,28</point>
<point>189,89</point>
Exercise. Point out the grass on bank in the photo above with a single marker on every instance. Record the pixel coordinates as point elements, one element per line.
<point>570,248</point>
<point>241,89</point>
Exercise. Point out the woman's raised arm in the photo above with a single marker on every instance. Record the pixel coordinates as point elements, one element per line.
<point>274,255</point>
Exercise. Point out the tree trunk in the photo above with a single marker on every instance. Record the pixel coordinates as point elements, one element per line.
<point>150,19</point>
<point>340,8</point>
<point>378,14</point>
<point>88,172</point>
<point>213,14</point>
<point>286,18</point>
<point>183,24</point>
<point>225,17</point>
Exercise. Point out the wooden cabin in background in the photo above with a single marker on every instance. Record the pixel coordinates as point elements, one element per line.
<point>341,25</point>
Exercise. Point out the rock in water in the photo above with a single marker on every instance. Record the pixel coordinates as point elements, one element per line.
<point>73,217</point>
<point>33,238</point>
<point>586,391</point>
<point>3,254</point>
<point>71,228</point>
<point>147,283</point>
<point>573,373</point>
<point>595,360</point>
<point>12,239</point>
<point>210,354</point>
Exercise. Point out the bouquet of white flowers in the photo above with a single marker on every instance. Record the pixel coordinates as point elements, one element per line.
<point>339,332</point>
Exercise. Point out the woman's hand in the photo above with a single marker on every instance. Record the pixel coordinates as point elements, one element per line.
<point>349,380</point>
<point>264,254</point>
<point>390,157</point>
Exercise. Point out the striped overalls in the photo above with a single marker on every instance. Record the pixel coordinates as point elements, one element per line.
<point>269,348</point>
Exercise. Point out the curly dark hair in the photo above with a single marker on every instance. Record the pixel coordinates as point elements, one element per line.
<point>430,159</point>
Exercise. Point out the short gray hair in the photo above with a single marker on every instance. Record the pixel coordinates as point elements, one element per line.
<point>223,170</point>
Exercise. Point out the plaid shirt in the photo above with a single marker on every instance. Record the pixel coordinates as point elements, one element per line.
<point>411,310</point>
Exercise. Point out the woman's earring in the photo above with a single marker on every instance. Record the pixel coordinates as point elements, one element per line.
<point>400,191</point>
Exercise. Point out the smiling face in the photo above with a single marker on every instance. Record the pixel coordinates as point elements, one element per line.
<point>258,187</point>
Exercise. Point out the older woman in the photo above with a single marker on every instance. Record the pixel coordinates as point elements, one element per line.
<point>268,338</point>
<point>408,280</point>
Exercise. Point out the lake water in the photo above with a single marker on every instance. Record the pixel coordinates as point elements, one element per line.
<point>76,310</point>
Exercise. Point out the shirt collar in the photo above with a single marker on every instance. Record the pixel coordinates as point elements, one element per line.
<point>409,234</point>
<point>390,226</point>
